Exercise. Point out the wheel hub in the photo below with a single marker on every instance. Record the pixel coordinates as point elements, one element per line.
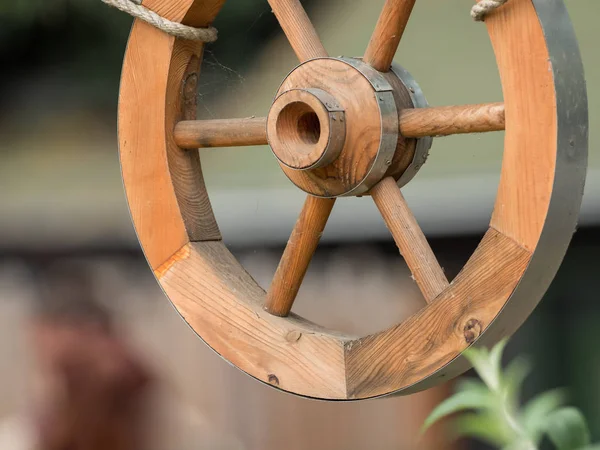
<point>334,127</point>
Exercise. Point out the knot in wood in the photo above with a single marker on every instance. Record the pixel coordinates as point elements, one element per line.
<point>293,336</point>
<point>472,330</point>
<point>273,379</point>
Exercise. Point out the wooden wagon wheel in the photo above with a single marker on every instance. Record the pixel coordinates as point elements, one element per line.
<point>345,126</point>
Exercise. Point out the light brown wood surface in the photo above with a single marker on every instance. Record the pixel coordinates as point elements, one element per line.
<point>147,179</point>
<point>164,185</point>
<point>192,134</point>
<point>363,126</point>
<point>388,33</point>
<point>298,28</point>
<point>189,12</point>
<point>409,238</point>
<point>306,128</point>
<point>448,120</point>
<point>297,255</point>
<point>431,339</point>
<point>414,123</point>
<point>186,172</point>
<point>225,305</point>
<point>530,101</point>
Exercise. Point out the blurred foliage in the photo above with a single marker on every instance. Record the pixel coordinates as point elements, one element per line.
<point>81,42</point>
<point>74,43</point>
<point>499,420</point>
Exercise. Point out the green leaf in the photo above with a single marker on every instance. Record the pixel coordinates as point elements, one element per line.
<point>488,364</point>
<point>520,445</point>
<point>513,378</point>
<point>470,384</point>
<point>536,411</point>
<point>461,401</point>
<point>496,354</point>
<point>487,427</point>
<point>590,447</point>
<point>567,429</point>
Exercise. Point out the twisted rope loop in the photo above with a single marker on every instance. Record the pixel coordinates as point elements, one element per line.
<point>484,7</point>
<point>136,9</point>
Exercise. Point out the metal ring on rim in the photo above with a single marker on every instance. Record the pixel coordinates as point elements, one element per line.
<point>536,212</point>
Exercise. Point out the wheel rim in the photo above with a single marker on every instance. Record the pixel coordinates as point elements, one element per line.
<point>535,215</point>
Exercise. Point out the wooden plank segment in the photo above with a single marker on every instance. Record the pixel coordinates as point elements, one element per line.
<point>152,201</point>
<point>407,353</point>
<point>190,12</point>
<point>530,144</point>
<point>185,168</point>
<point>166,210</point>
<point>216,296</point>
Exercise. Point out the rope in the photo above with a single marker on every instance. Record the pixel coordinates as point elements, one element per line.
<point>484,7</point>
<point>135,8</point>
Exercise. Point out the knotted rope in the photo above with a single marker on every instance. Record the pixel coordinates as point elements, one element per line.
<point>484,7</point>
<point>135,8</point>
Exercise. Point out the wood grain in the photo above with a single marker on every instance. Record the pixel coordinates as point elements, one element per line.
<point>189,12</point>
<point>214,293</point>
<point>297,255</point>
<point>222,302</point>
<point>184,166</point>
<point>298,28</point>
<point>530,147</point>
<point>448,120</point>
<point>363,126</point>
<point>416,349</point>
<point>192,134</point>
<point>409,238</point>
<point>306,128</point>
<point>144,165</point>
<point>166,209</point>
<point>388,33</point>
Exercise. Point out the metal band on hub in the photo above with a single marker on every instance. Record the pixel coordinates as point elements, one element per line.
<point>423,144</point>
<point>338,164</point>
<point>370,112</point>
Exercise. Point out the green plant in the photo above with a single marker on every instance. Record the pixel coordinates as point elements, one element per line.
<point>492,411</point>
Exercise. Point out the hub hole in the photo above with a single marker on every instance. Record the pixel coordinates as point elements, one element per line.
<point>309,128</point>
<point>298,126</point>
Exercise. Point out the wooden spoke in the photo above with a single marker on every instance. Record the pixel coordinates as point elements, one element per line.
<point>409,238</point>
<point>447,120</point>
<point>388,32</point>
<point>297,255</point>
<point>298,28</point>
<point>192,134</point>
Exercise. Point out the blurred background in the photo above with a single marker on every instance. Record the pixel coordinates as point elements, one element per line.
<point>62,198</point>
